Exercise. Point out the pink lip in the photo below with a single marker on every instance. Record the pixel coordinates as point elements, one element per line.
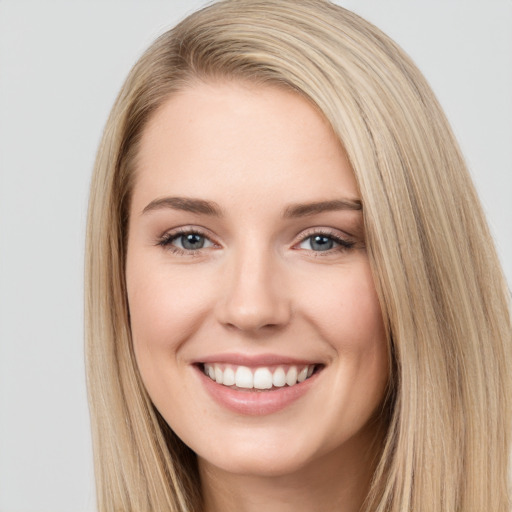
<point>253,361</point>
<point>251,402</point>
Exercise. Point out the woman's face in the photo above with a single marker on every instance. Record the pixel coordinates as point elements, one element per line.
<point>255,321</point>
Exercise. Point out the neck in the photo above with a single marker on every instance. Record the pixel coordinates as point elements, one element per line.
<point>338,481</point>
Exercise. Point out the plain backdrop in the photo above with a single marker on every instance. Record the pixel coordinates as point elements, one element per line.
<point>61,65</point>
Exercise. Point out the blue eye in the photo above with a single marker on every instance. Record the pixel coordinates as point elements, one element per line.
<point>191,241</point>
<point>185,241</point>
<point>319,242</point>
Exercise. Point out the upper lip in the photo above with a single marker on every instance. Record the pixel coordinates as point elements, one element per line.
<point>254,360</point>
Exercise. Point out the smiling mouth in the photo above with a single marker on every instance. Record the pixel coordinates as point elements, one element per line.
<point>263,378</point>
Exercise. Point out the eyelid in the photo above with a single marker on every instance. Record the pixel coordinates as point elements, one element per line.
<point>319,230</point>
<point>344,241</point>
<point>169,235</point>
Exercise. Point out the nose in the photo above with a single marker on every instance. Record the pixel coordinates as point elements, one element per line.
<point>253,295</point>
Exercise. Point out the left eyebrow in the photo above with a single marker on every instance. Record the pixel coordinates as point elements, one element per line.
<point>188,204</point>
<point>306,209</point>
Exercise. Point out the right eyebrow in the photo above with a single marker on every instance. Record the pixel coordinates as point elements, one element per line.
<point>309,209</point>
<point>185,204</point>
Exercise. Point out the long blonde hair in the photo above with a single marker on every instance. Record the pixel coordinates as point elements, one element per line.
<point>444,298</point>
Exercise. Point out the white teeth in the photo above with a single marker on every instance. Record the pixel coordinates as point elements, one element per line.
<point>262,378</point>
<point>259,378</point>
<point>279,378</point>
<point>229,377</point>
<point>291,376</point>
<point>303,374</point>
<point>243,377</point>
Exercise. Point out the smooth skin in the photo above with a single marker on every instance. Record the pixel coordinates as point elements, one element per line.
<point>258,276</point>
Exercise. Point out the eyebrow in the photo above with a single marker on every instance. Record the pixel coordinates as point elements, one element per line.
<point>307,209</point>
<point>186,204</point>
<point>211,208</point>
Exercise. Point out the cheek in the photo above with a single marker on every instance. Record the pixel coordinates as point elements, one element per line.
<point>165,310</point>
<point>165,307</point>
<point>348,316</point>
<point>346,309</point>
<point>365,338</point>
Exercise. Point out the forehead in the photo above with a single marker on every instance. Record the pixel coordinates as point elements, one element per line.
<point>219,140</point>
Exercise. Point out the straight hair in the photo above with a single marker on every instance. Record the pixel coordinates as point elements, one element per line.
<point>444,299</point>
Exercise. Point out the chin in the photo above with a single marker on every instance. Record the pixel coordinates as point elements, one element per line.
<point>258,462</point>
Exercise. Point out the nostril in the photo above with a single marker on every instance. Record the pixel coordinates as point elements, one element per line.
<point>253,299</point>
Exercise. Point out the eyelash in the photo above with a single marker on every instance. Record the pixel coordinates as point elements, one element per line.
<point>167,239</point>
<point>343,244</point>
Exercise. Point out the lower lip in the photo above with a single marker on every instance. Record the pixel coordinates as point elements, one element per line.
<point>252,402</point>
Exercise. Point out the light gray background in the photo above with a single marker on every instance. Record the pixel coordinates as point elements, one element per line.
<point>61,65</point>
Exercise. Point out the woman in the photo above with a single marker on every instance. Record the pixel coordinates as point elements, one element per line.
<point>293,298</point>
